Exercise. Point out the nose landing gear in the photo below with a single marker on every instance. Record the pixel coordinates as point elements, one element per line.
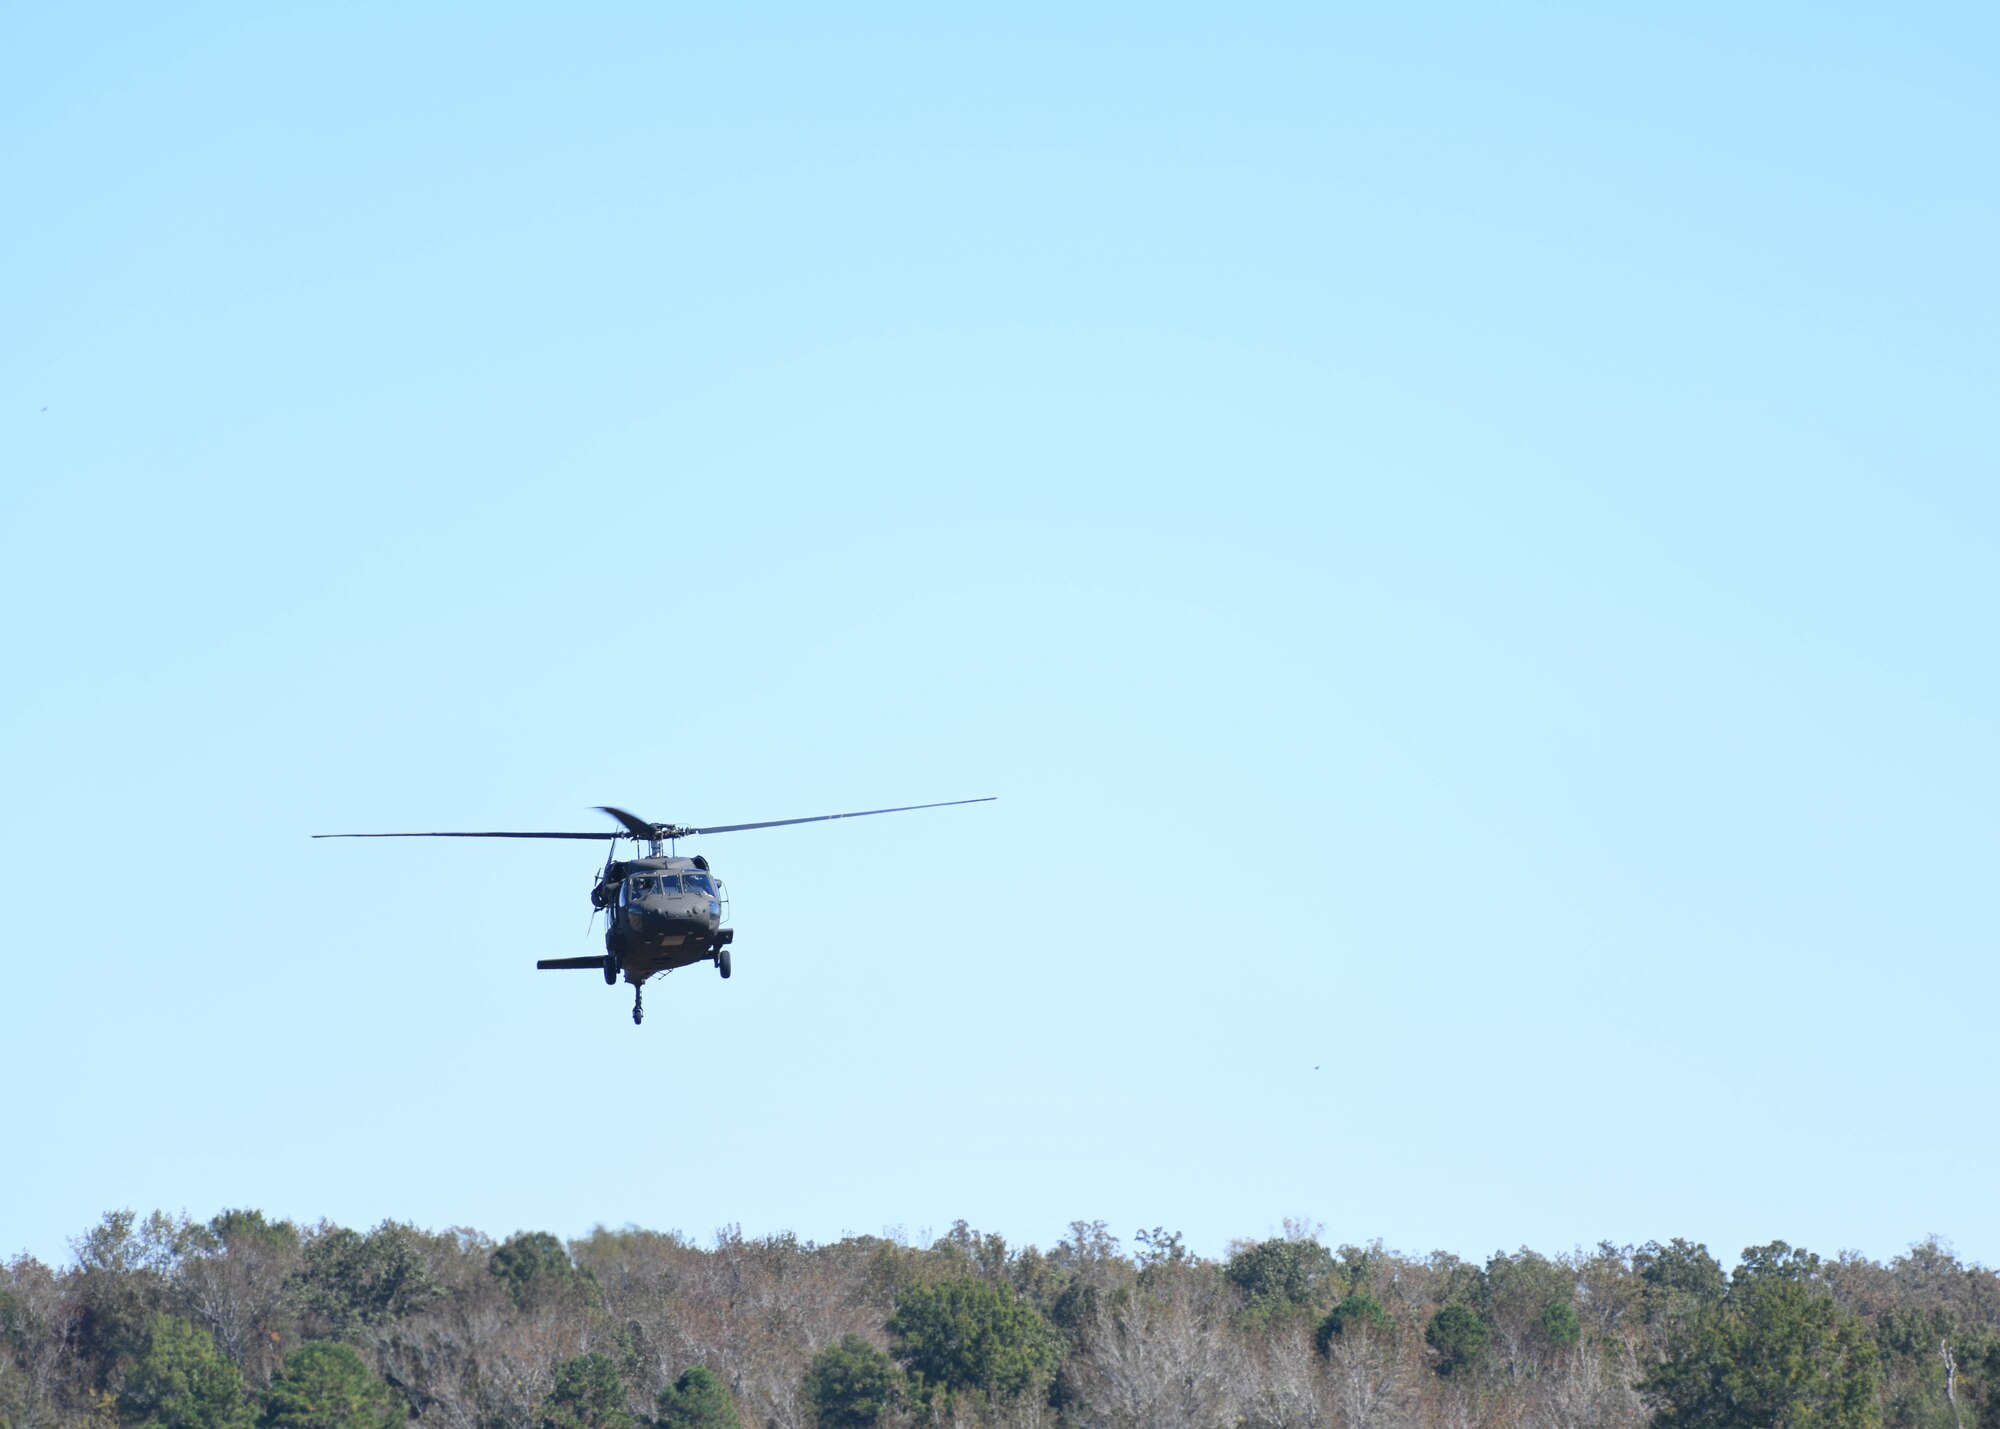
<point>638,1003</point>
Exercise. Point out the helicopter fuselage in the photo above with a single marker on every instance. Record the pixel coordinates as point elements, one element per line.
<point>664,913</point>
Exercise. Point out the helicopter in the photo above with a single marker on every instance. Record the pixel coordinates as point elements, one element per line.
<point>665,911</point>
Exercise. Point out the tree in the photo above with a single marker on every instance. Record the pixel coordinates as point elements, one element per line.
<point>851,1385</point>
<point>1158,1246</point>
<point>1527,1301</point>
<point>1985,1392</point>
<point>1777,1261</point>
<point>1365,1377</point>
<point>1279,1276</point>
<point>1359,1311</point>
<point>1679,1277</point>
<point>588,1394</point>
<point>1921,1352</point>
<point>1088,1249</point>
<point>968,1334</point>
<point>983,1255</point>
<point>120,1287</point>
<point>36,1322</point>
<point>1778,1351</point>
<point>233,1279</point>
<point>328,1386</point>
<point>351,1281</point>
<point>1159,1356</point>
<point>697,1400</point>
<point>181,1381</point>
<point>532,1264</point>
<point>1558,1324</point>
<point>1460,1338</point>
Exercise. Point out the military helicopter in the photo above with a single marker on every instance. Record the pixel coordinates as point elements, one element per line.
<point>666,912</point>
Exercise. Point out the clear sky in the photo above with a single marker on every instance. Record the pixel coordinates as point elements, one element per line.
<point>1462,538</point>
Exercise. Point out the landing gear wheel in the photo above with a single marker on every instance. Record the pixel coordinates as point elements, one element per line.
<point>722,961</point>
<point>610,969</point>
<point>638,1004</point>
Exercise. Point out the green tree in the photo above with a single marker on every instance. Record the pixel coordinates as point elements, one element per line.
<point>1983,1365</point>
<point>181,1381</point>
<point>1460,1339</point>
<point>120,1286</point>
<point>1920,1353</point>
<point>851,1385</point>
<point>1074,1306</point>
<point>531,1265</point>
<point>1280,1276</point>
<point>1777,1261</point>
<point>976,1253</point>
<point>329,1386</point>
<point>1681,1270</point>
<point>351,1281</point>
<point>588,1394</point>
<point>1526,1299</point>
<point>1359,1311</point>
<point>697,1400</point>
<point>1558,1324</point>
<point>1777,1351</point>
<point>968,1334</point>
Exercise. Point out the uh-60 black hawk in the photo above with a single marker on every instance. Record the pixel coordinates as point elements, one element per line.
<point>666,912</point>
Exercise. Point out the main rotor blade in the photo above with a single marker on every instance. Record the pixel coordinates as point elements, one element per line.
<point>637,826</point>
<point>497,835</point>
<point>822,818</point>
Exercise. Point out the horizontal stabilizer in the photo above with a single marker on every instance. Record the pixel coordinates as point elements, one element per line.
<point>595,964</point>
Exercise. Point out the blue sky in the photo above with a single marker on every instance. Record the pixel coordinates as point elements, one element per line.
<point>1461,539</point>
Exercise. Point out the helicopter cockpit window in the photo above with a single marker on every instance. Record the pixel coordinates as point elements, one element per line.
<point>639,887</point>
<point>699,883</point>
<point>669,883</point>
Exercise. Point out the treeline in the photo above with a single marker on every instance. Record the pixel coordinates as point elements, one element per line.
<point>250,1323</point>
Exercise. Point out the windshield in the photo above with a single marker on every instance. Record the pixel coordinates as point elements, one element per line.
<point>699,883</point>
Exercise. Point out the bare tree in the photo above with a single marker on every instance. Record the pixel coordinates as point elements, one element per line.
<point>232,1281</point>
<point>37,1322</point>
<point>1370,1387</point>
<point>1158,1361</point>
<point>474,1361</point>
<point>1281,1383</point>
<point>1583,1391</point>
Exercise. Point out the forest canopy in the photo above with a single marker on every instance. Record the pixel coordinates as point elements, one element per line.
<point>244,1322</point>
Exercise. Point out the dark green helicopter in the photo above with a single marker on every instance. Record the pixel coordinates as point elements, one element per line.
<point>666,912</point>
